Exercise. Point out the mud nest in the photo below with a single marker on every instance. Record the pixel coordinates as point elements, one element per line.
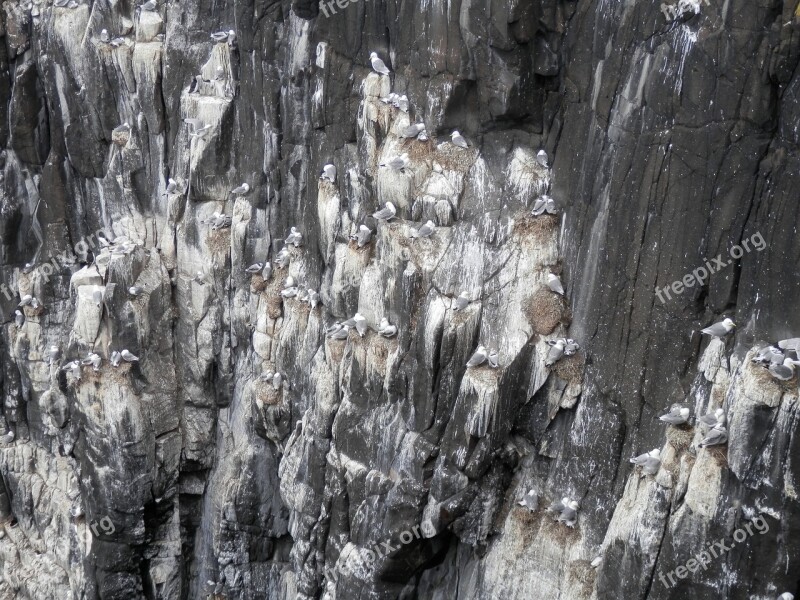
<point>268,394</point>
<point>418,150</point>
<point>570,368</point>
<point>720,455</point>
<point>680,437</point>
<point>257,283</point>
<point>539,229</point>
<point>583,572</point>
<point>219,240</point>
<point>274,307</point>
<point>544,311</point>
<point>454,158</point>
<point>529,521</point>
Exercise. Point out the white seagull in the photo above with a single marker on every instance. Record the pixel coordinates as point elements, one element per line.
<point>554,283</point>
<point>478,358</point>
<point>425,231</point>
<point>386,213</point>
<point>458,140</point>
<point>329,173</point>
<point>677,415</point>
<point>377,64</point>
<point>720,329</point>
<point>241,190</point>
<point>461,302</point>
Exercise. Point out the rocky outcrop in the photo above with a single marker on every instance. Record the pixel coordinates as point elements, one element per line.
<point>244,453</point>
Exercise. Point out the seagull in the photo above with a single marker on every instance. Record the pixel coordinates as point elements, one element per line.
<point>556,352</point>
<point>127,356</point>
<point>790,344</point>
<point>73,366</point>
<point>223,36</point>
<point>266,271</point>
<point>290,292</point>
<point>115,358</point>
<point>220,221</point>
<point>554,283</point>
<point>7,438</point>
<point>199,277</point>
<point>570,347</point>
<point>649,462</point>
<point>720,329</point>
<point>35,303</point>
<point>277,378</point>
<point>545,204</point>
<point>390,99</point>
<point>26,300</point>
<point>386,329</point>
<point>329,173</point>
<point>492,359</point>
<point>60,3</point>
<point>359,322</point>
<point>541,158</point>
<point>461,302</point>
<point>200,132</point>
<point>52,354</point>
<point>530,501</point>
<point>313,298</point>
<point>558,505</point>
<point>386,213</point>
<point>784,371</point>
<point>28,268</point>
<point>569,515</point>
<point>282,259</point>
<point>397,163</point>
<point>172,187</point>
<point>104,36</point>
<point>401,102</point>
<point>425,231</point>
<point>241,190</point>
<point>295,237</point>
<point>254,268</point>
<point>413,130</point>
<point>677,415</point>
<point>716,437</point>
<point>786,596</point>
<point>377,64</point>
<point>124,128</point>
<point>709,420</point>
<point>478,358</point>
<point>93,359</point>
<point>19,318</point>
<point>341,333</point>
<point>97,296</point>
<point>769,355</point>
<point>150,5</point>
<point>363,236</point>
<point>458,140</point>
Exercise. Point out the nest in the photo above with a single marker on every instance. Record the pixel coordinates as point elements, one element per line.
<point>583,572</point>
<point>219,240</point>
<point>257,283</point>
<point>570,368</point>
<point>720,455</point>
<point>453,158</point>
<point>418,150</point>
<point>268,394</point>
<point>538,229</point>
<point>680,437</point>
<point>544,311</point>
<point>274,307</point>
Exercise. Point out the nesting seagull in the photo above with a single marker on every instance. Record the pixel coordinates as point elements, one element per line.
<point>73,366</point>
<point>386,329</point>
<point>377,64</point>
<point>530,500</point>
<point>786,596</point>
<point>93,359</point>
<point>390,99</point>
<point>720,329</point>
<point>792,345</point>
<point>340,333</point>
<point>7,438</point>
<point>567,509</point>
<point>677,415</point>
<point>769,355</point>
<point>709,420</point>
<point>128,356</point>
<point>241,190</point>
<point>19,318</point>
<point>329,173</point>
<point>478,358</point>
<point>716,437</point>
<point>401,102</point>
<point>223,36</point>
<point>266,271</point>
<point>135,290</point>
<point>556,351</point>
<point>544,204</point>
<point>554,283</point>
<point>312,298</point>
<point>254,268</point>
<point>458,140</point>
<point>541,158</point>
<point>52,354</point>
<point>115,358</point>
<point>359,322</point>
<point>26,300</point>
<point>150,5</point>
<point>104,36</point>
<point>650,462</point>
<point>413,130</point>
<point>386,213</point>
<point>295,237</point>
<point>425,231</point>
<point>492,359</point>
<point>97,296</point>
<point>282,259</point>
<point>784,371</point>
<point>220,221</point>
<point>461,302</point>
<point>363,236</point>
<point>397,163</point>
<point>570,347</point>
<point>172,187</point>
<point>289,292</point>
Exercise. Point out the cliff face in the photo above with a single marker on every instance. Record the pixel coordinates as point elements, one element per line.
<point>383,467</point>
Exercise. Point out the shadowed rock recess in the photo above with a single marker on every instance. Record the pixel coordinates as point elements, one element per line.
<point>382,467</point>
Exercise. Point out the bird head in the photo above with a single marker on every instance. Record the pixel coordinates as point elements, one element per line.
<point>728,323</point>
<point>573,504</point>
<point>684,412</point>
<point>454,134</point>
<point>373,55</point>
<point>655,453</point>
